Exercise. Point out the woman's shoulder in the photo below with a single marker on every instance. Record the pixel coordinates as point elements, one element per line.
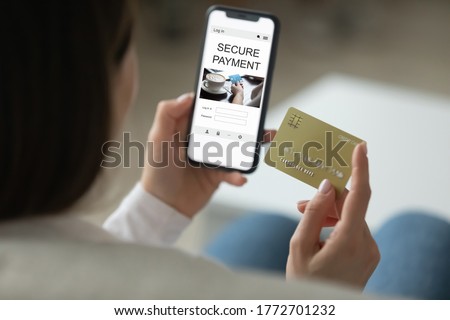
<point>37,266</point>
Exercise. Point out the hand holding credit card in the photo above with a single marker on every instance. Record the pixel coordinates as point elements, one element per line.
<point>311,150</point>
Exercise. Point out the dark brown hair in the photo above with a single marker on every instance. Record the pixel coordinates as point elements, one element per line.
<point>56,61</point>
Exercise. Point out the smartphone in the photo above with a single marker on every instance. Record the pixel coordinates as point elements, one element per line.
<point>232,88</point>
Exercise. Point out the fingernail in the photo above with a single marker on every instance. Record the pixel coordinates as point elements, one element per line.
<point>364,147</point>
<point>325,186</point>
<point>184,96</point>
<point>301,202</point>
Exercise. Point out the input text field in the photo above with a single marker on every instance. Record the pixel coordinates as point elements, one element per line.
<point>235,113</point>
<point>241,122</point>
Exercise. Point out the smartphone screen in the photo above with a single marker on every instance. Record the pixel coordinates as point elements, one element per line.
<point>232,89</point>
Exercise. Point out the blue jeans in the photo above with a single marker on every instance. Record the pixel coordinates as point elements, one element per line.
<point>414,246</point>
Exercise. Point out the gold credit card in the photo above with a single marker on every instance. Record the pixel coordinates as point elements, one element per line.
<point>311,150</point>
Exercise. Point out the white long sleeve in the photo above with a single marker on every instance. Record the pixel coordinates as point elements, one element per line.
<point>143,218</point>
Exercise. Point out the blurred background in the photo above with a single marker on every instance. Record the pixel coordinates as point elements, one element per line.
<point>401,42</point>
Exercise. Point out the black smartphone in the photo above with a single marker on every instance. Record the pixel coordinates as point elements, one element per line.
<point>232,88</point>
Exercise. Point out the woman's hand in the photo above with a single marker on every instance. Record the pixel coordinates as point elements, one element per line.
<point>350,254</point>
<point>167,174</point>
<point>237,90</point>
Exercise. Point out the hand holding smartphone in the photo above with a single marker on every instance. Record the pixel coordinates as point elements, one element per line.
<point>233,84</point>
